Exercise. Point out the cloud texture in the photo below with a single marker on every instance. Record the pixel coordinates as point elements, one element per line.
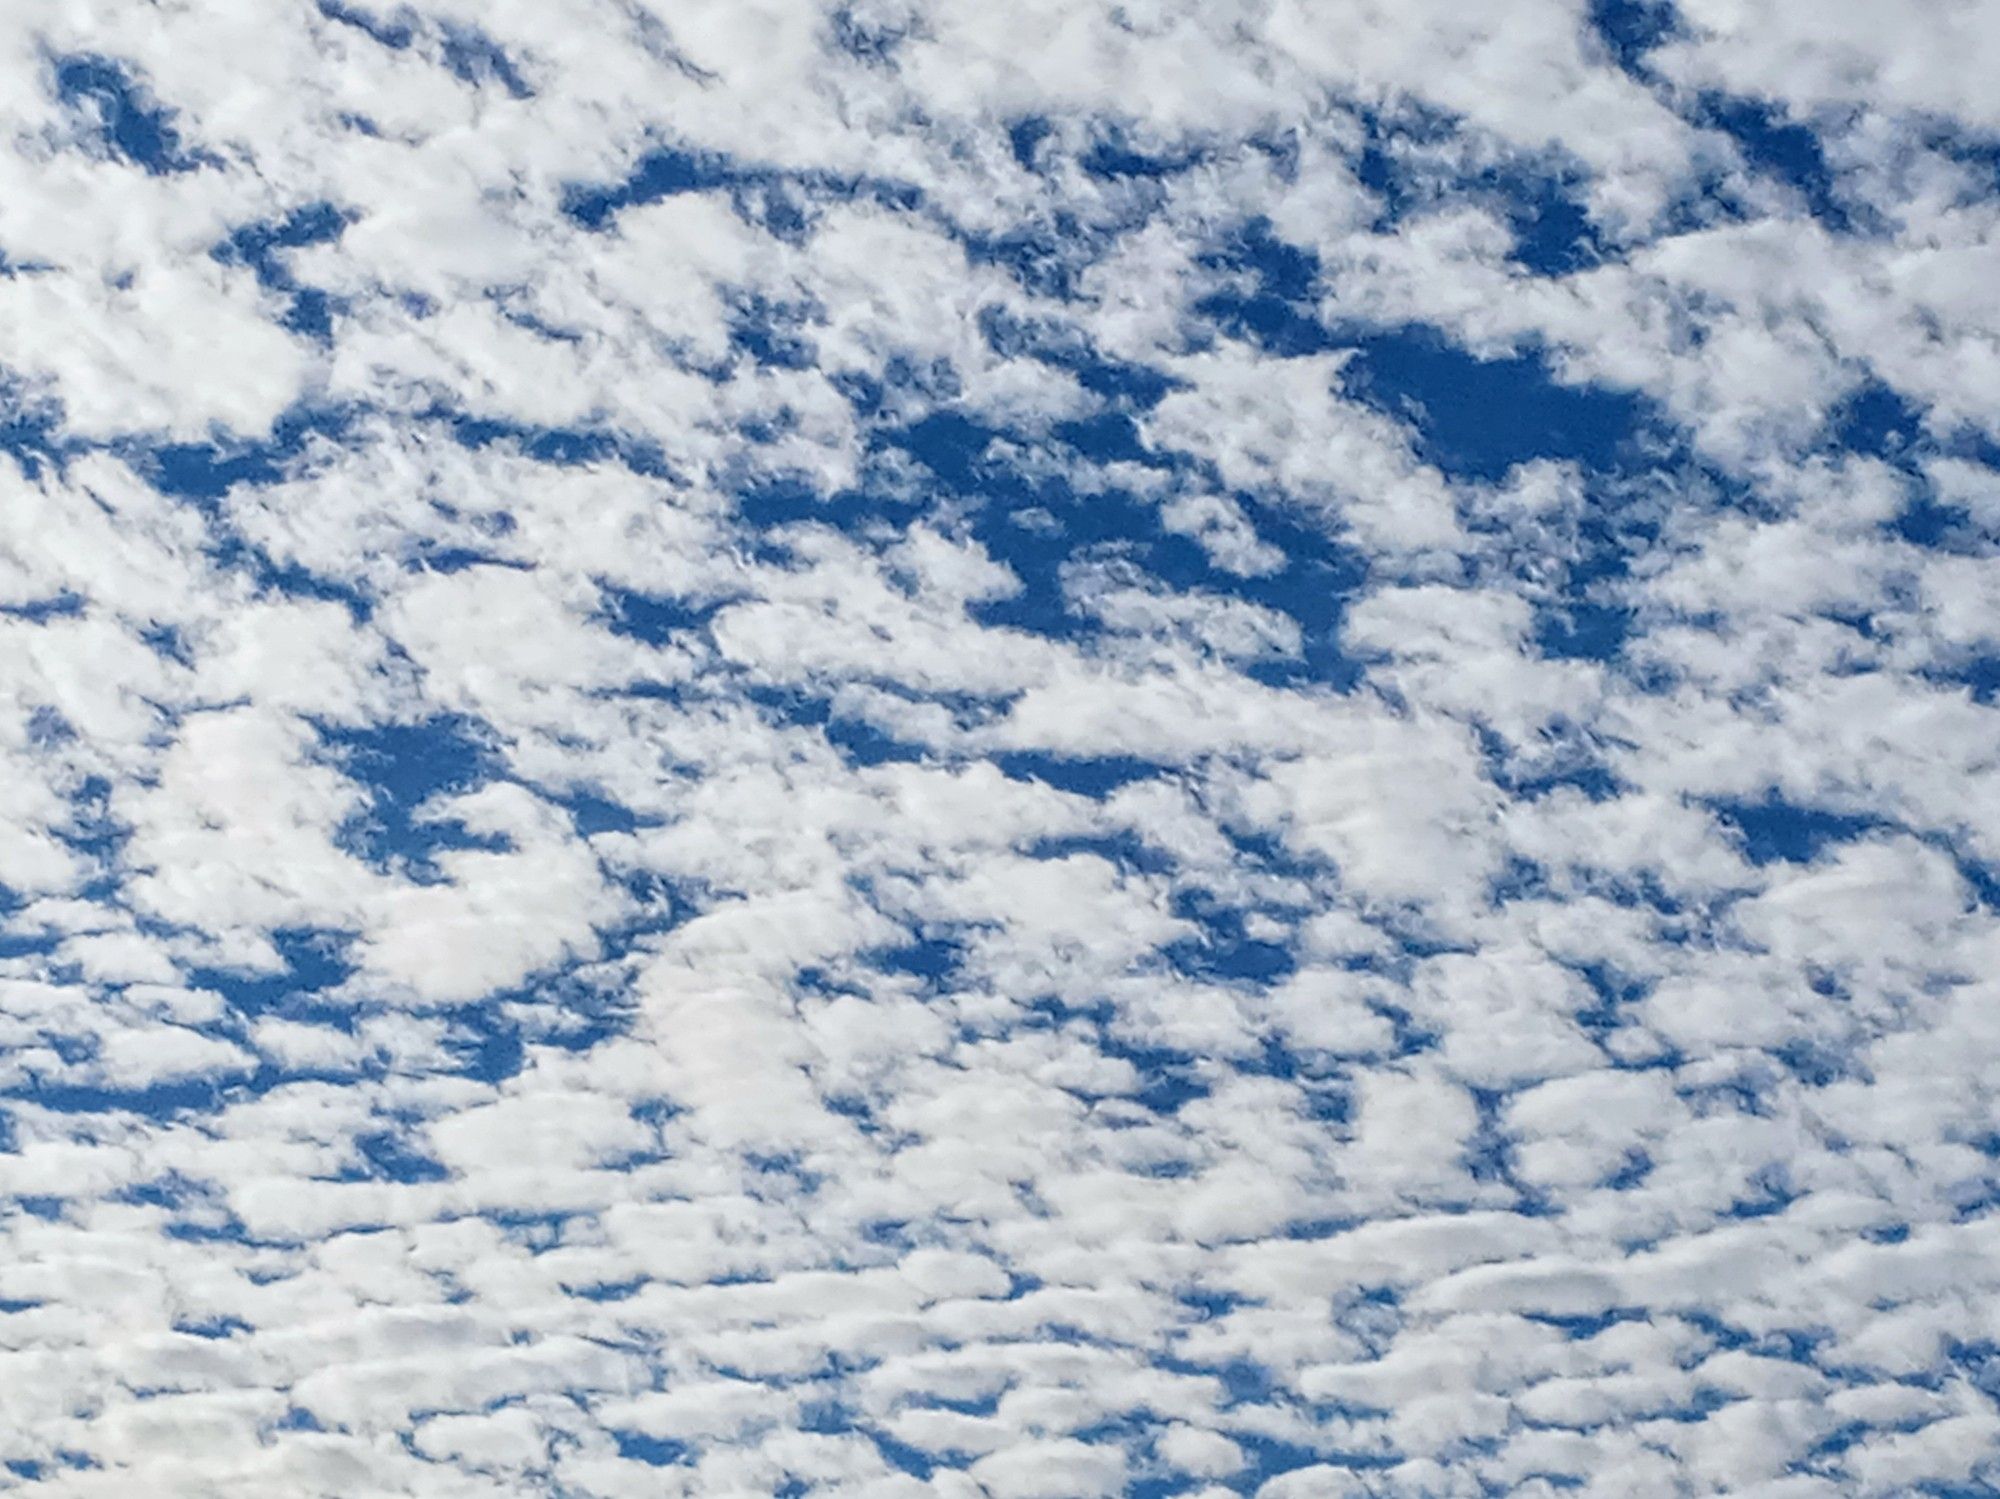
<point>1019,751</point>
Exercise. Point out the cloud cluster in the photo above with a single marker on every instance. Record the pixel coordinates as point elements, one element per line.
<point>1192,749</point>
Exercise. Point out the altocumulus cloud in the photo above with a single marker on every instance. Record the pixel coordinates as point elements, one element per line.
<point>1058,750</point>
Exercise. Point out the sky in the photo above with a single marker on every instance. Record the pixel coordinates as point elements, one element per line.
<point>1183,748</point>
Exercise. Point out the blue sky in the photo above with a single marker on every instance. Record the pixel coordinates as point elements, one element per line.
<point>1030,753</point>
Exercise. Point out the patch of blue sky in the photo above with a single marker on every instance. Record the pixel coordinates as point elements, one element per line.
<point>931,958</point>
<point>31,426</point>
<point>1116,155</point>
<point>655,619</point>
<point>1045,256</point>
<point>155,1101</point>
<point>92,828</point>
<point>1274,295</point>
<point>1480,417</point>
<point>134,127</point>
<point>1128,386</point>
<point>205,471</point>
<point>1777,829</point>
<point>777,201</point>
<point>559,445</point>
<point>61,605</point>
<point>1975,152</point>
<point>476,58</point>
<point>656,1452</point>
<point>775,334</point>
<point>401,768</point>
<point>862,742</point>
<point>395,30</point>
<point>1094,776</point>
<point>1977,673</point>
<point>1223,949</point>
<point>1473,417</point>
<point>389,1155</point>
<point>1629,29</point>
<point>1784,151</point>
<point>261,247</point>
<point>465,50</point>
<point>1319,573</point>
<point>313,963</point>
<point>1416,160</point>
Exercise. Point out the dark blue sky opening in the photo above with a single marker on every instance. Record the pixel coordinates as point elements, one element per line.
<point>136,129</point>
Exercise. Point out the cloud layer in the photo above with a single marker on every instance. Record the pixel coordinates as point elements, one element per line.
<point>1058,750</point>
